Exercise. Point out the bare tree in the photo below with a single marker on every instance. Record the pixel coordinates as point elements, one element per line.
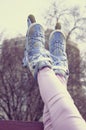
<point>83,69</point>
<point>1,35</point>
<point>54,13</point>
<point>19,94</point>
<point>71,19</point>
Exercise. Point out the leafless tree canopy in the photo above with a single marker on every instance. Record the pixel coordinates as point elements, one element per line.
<point>19,94</point>
<point>71,19</point>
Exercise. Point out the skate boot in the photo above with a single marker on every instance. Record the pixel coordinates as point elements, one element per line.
<point>36,56</point>
<point>30,20</point>
<point>57,48</point>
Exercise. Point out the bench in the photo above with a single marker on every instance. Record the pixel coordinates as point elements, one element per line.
<point>20,125</point>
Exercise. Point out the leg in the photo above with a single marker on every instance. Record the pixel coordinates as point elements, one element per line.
<point>46,119</point>
<point>62,111</point>
<point>64,115</point>
<point>37,57</point>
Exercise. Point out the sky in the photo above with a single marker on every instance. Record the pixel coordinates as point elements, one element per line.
<point>13,13</point>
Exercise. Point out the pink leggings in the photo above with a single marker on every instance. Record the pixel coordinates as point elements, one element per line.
<point>60,113</point>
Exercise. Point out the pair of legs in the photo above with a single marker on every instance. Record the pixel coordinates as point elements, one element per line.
<point>60,112</point>
<point>50,69</point>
